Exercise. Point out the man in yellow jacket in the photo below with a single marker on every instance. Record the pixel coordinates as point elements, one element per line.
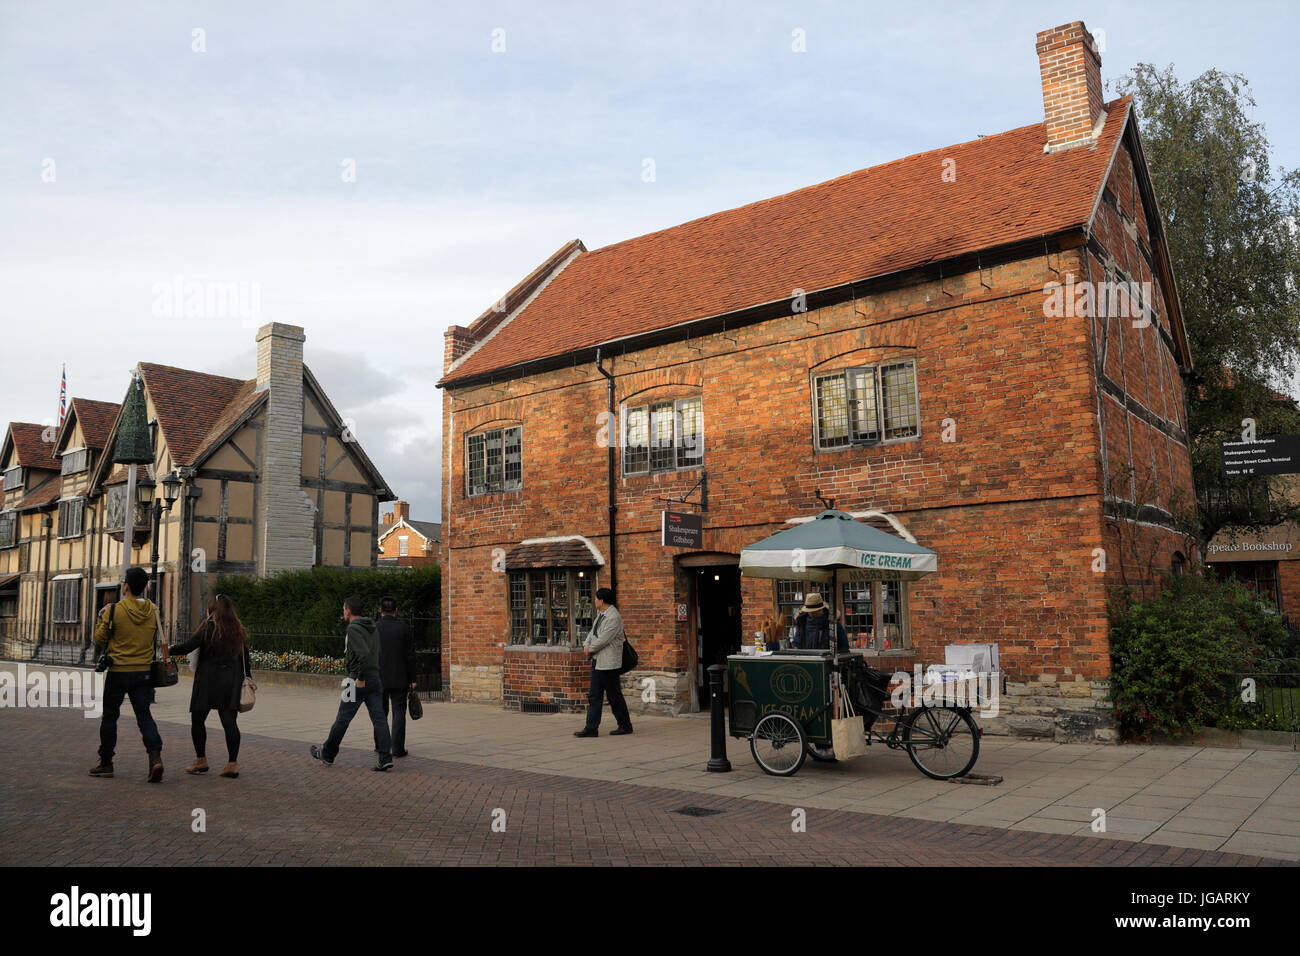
<point>128,629</point>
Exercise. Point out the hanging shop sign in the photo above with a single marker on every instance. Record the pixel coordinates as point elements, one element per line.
<point>682,530</point>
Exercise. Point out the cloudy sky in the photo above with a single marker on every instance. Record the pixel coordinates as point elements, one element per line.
<point>376,171</point>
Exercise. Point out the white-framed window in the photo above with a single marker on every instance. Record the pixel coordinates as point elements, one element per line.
<point>866,405</point>
<point>874,613</point>
<point>72,512</point>
<point>13,479</point>
<point>494,461</point>
<point>8,529</point>
<point>551,606</point>
<point>665,436</point>
<point>403,545</point>
<point>115,508</point>
<point>67,600</point>
<point>75,461</point>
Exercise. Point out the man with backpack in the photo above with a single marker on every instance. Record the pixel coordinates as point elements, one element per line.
<point>128,630</point>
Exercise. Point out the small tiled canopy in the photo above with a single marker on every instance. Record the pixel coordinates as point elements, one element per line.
<point>568,553</point>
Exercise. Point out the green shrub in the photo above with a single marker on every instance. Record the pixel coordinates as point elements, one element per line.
<point>1174,657</point>
<point>311,601</point>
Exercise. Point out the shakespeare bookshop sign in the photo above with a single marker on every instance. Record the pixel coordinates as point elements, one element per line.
<point>1278,455</point>
<point>682,530</point>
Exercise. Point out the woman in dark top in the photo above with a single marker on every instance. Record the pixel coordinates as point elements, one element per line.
<point>222,644</point>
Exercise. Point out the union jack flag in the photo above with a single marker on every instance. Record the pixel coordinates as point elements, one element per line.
<point>63,396</point>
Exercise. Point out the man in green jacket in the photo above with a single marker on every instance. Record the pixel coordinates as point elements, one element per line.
<point>363,685</point>
<point>127,629</point>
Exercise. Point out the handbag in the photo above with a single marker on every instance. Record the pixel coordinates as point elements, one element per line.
<point>248,691</point>
<point>630,657</point>
<point>162,673</point>
<point>848,733</point>
<point>413,705</point>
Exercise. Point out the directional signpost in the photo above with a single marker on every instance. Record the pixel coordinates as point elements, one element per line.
<point>1278,455</point>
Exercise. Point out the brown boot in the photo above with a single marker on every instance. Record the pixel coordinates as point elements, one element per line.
<point>155,766</point>
<point>232,770</point>
<point>200,765</point>
<point>102,769</point>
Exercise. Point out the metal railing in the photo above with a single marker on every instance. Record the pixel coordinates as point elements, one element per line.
<point>1269,694</point>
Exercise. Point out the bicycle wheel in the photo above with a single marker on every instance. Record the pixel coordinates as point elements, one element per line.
<point>779,744</point>
<point>943,742</point>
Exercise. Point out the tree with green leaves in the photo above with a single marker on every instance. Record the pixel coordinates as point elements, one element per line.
<point>1233,224</point>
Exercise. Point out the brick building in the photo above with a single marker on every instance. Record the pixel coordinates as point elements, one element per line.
<point>917,341</point>
<point>271,479</point>
<point>406,543</point>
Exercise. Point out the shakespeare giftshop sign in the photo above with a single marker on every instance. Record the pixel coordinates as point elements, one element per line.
<point>681,529</point>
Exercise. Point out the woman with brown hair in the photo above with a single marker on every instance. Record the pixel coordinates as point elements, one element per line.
<point>222,644</point>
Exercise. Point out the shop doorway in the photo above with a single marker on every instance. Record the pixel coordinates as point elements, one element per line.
<point>717,620</point>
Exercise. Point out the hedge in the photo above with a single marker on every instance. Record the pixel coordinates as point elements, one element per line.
<point>310,602</point>
<point>1175,657</point>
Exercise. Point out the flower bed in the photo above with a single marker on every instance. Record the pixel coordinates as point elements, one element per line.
<point>296,661</point>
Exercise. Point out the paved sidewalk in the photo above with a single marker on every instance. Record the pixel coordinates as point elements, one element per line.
<point>1234,801</point>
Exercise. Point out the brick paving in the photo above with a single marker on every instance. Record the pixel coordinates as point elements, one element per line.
<point>287,809</point>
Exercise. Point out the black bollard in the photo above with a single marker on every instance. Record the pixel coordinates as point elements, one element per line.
<point>718,762</point>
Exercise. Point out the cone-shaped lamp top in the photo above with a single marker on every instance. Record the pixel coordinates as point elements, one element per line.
<point>133,446</point>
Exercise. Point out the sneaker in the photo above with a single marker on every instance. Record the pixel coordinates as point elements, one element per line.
<point>621,731</point>
<point>586,732</point>
<point>102,769</point>
<point>316,752</point>
<point>381,766</point>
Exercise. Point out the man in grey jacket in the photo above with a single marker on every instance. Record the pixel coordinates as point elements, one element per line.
<point>362,650</point>
<point>604,645</point>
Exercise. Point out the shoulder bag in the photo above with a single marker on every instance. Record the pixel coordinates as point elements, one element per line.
<point>413,704</point>
<point>248,692</point>
<point>630,657</point>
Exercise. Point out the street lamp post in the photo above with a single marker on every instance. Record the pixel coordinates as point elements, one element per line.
<point>171,491</point>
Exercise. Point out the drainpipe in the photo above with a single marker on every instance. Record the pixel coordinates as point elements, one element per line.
<point>613,508</point>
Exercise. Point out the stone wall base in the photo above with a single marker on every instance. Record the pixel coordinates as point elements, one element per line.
<point>1064,710</point>
<point>476,683</point>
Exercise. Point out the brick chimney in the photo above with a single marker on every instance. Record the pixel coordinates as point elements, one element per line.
<point>457,342</point>
<point>286,524</point>
<point>401,509</point>
<point>1070,65</point>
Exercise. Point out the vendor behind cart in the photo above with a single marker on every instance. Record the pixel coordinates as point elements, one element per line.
<point>813,623</point>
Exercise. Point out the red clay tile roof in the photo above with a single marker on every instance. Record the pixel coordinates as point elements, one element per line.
<point>550,554</point>
<point>873,222</point>
<point>118,475</point>
<point>46,494</point>
<point>32,448</point>
<point>188,405</point>
<point>96,419</point>
<point>245,400</point>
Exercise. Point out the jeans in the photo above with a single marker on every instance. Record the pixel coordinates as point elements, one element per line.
<point>397,698</point>
<point>372,695</point>
<point>606,683</point>
<point>136,686</point>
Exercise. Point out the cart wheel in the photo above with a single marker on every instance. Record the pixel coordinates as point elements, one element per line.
<point>822,754</point>
<point>943,742</point>
<point>778,744</point>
